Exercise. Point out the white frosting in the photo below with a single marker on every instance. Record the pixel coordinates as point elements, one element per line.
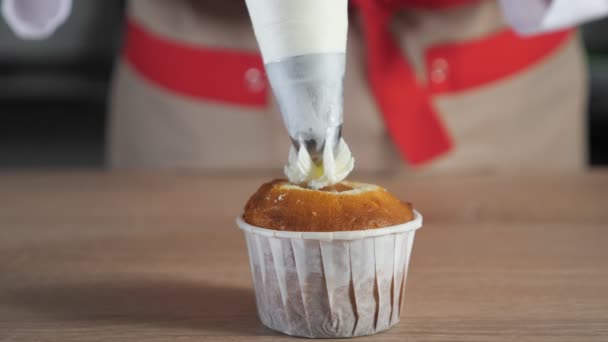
<point>287,28</point>
<point>300,168</point>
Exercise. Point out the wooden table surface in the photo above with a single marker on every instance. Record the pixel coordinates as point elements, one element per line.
<point>119,257</point>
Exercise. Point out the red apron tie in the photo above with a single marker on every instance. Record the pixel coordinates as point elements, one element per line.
<point>212,73</point>
<point>410,118</point>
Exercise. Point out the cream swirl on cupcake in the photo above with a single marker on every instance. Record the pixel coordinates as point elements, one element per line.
<point>337,165</point>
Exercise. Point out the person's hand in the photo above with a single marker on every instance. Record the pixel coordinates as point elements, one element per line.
<point>35,19</point>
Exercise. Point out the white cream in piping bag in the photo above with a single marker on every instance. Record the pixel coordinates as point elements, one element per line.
<point>286,28</point>
<point>336,166</point>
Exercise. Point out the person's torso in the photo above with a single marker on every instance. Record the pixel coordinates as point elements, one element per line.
<point>224,116</point>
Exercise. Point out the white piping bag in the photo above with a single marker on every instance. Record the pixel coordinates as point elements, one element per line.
<point>303,44</point>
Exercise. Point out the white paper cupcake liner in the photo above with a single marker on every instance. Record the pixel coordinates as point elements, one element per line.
<point>333,284</point>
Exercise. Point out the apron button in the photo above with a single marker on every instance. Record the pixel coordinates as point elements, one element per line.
<point>439,70</point>
<point>254,79</point>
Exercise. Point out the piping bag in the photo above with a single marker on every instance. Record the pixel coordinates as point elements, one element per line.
<point>303,45</point>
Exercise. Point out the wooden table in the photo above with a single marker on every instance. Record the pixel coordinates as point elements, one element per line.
<point>119,257</point>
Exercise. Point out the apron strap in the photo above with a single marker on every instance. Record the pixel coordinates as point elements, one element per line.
<point>412,122</point>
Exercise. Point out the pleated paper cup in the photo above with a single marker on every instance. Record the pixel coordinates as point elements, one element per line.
<point>330,284</point>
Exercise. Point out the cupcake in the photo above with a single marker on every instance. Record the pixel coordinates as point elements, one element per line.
<point>328,259</point>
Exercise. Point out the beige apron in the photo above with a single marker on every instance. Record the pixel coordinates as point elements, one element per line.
<point>531,120</point>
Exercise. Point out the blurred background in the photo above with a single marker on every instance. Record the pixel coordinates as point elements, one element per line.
<point>53,92</point>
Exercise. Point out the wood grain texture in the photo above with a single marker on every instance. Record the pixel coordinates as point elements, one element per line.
<point>157,257</point>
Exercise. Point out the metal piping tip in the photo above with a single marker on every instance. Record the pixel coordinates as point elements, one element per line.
<point>315,147</point>
<point>310,90</point>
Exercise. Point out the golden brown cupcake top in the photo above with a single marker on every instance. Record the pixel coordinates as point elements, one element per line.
<point>346,206</point>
